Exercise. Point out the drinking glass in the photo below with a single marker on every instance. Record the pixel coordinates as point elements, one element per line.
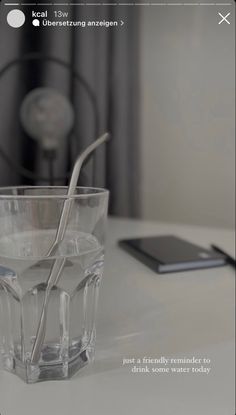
<point>29,218</point>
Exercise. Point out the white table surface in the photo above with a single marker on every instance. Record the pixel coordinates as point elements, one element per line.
<point>145,314</point>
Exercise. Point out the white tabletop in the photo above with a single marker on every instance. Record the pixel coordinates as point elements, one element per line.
<point>144,314</point>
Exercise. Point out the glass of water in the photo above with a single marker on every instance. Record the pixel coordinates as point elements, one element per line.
<point>29,218</point>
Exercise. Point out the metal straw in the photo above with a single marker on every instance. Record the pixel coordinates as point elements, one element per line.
<point>58,264</point>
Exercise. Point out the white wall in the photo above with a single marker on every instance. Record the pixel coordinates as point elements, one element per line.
<point>187,79</point>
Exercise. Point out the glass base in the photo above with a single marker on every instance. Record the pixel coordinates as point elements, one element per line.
<point>53,371</point>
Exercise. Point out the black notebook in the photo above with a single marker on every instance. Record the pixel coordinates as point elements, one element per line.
<point>171,254</point>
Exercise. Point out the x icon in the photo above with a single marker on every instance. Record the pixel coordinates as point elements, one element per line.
<point>224,18</point>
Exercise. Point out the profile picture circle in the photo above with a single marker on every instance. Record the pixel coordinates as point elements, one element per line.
<point>16,18</point>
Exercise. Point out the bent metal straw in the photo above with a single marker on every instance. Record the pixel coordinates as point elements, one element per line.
<point>58,264</point>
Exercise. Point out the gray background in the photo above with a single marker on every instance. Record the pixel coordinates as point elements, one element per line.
<point>187,115</point>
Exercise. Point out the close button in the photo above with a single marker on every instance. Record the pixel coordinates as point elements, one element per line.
<point>224,18</point>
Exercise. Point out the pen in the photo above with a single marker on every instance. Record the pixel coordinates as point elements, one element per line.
<point>230,260</point>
